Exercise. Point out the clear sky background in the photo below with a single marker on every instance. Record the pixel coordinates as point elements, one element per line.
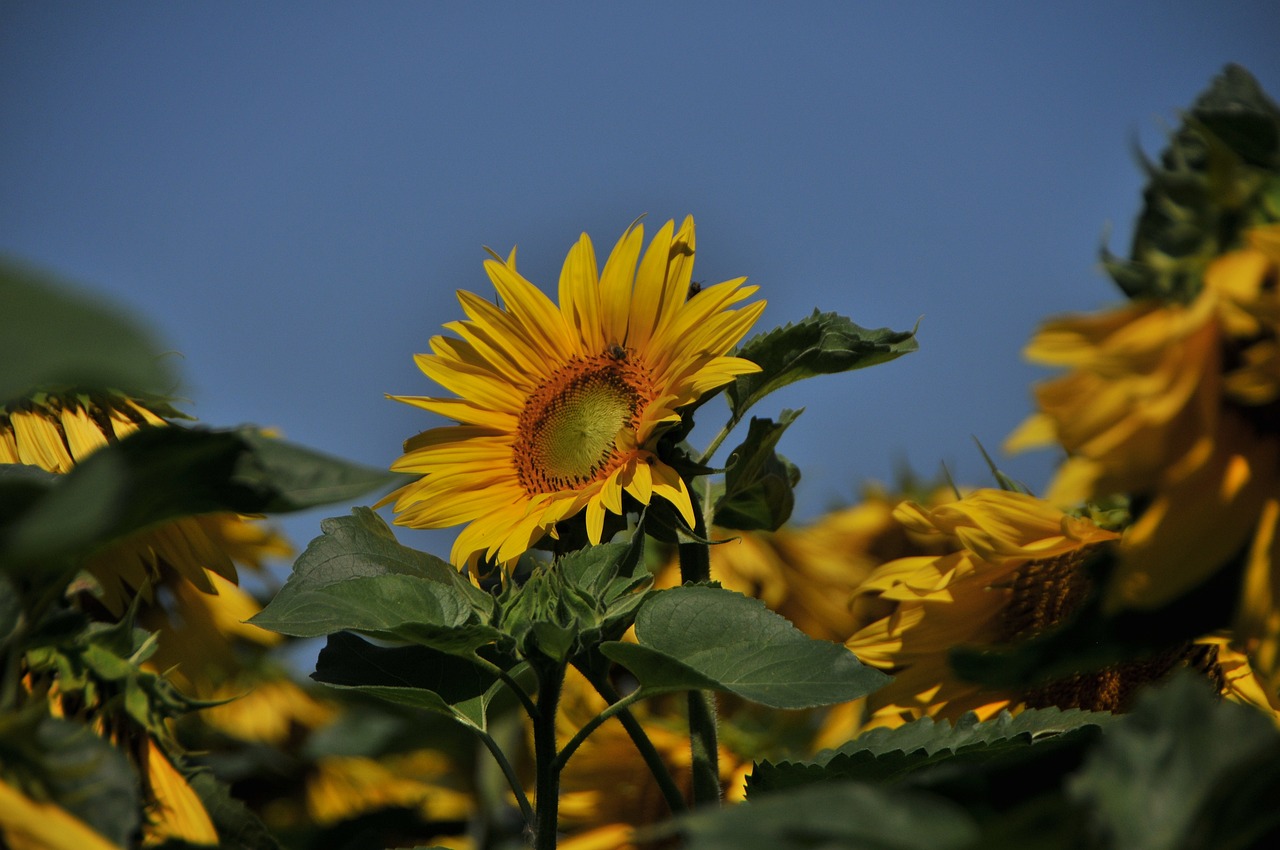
<point>291,192</point>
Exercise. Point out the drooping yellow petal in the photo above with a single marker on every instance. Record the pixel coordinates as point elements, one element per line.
<point>26,824</point>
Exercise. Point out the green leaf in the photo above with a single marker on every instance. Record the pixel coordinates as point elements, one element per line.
<point>759,483</point>
<point>840,816</point>
<point>158,474</point>
<point>52,336</point>
<point>1166,772</point>
<point>290,477</point>
<point>67,763</point>
<point>417,676</point>
<point>822,344</point>
<point>357,577</point>
<point>238,828</point>
<point>887,755</point>
<point>708,638</point>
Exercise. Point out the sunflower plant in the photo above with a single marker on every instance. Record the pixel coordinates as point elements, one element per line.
<point>570,429</point>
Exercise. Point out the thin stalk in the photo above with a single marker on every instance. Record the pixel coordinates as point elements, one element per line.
<point>695,566</point>
<point>719,438</point>
<point>550,681</point>
<point>666,783</point>
<point>530,706</point>
<point>593,724</point>
<point>509,772</point>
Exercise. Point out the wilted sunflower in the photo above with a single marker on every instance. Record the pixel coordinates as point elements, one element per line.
<point>1178,405</point>
<point>560,408</point>
<point>1018,571</point>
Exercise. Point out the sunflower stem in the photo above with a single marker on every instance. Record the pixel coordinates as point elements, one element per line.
<point>652,758</point>
<point>530,707</point>
<point>546,765</point>
<point>695,566</point>
<point>591,725</point>
<point>719,438</point>
<point>509,772</point>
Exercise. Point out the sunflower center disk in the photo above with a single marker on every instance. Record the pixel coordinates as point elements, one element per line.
<point>1047,593</point>
<point>568,430</point>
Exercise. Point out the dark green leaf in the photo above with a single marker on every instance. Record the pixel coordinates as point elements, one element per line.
<point>1152,778</point>
<point>822,344</point>
<point>238,828</point>
<point>157,474</point>
<point>357,577</point>
<point>708,638</point>
<point>884,755</point>
<point>52,336</point>
<point>294,478</point>
<point>840,816</point>
<point>759,483</point>
<point>67,763</point>
<point>415,676</point>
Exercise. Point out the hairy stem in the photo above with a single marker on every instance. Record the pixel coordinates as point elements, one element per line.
<point>547,767</point>
<point>695,566</point>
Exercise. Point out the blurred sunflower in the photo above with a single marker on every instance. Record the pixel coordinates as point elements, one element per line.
<point>1018,571</point>
<point>54,431</point>
<point>183,570</point>
<point>1179,405</point>
<point>560,409</point>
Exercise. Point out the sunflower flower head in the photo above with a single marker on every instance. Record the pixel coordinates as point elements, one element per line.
<point>1018,570</point>
<point>559,408</point>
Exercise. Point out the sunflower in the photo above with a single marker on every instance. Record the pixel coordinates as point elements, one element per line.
<point>1178,405</point>
<point>559,410</point>
<point>1017,571</point>
<point>55,431</point>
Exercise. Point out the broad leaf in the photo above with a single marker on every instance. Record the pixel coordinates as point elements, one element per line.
<point>708,638</point>
<point>52,336</point>
<point>238,827</point>
<point>759,483</point>
<point>158,474</point>
<point>884,755</point>
<point>357,577</point>
<point>1176,764</point>
<point>417,676</point>
<point>822,344</point>
<point>67,763</point>
<point>847,815</point>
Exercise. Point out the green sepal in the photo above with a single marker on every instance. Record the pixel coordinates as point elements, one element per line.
<point>822,344</point>
<point>759,484</point>
<point>707,638</point>
<point>1215,179</point>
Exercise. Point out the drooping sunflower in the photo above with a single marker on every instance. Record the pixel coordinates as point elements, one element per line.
<point>559,409</point>
<point>1018,570</point>
<point>57,430</point>
<point>1177,405</point>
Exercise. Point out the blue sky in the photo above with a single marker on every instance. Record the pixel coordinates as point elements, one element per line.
<point>291,193</point>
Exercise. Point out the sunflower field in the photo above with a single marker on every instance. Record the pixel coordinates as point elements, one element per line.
<point>632,644</point>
